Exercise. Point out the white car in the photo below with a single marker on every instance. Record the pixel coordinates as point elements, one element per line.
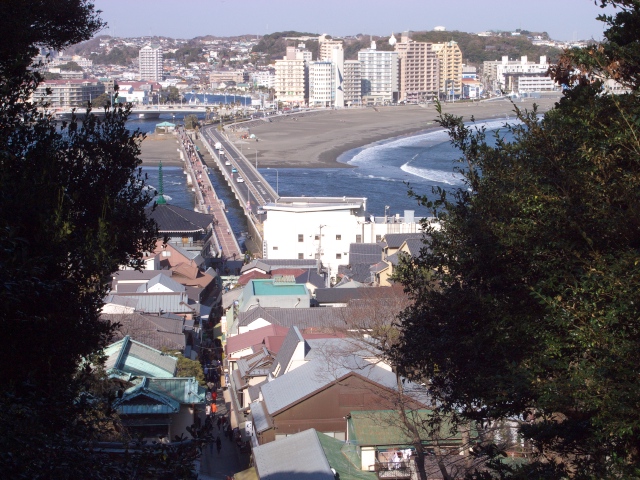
<point>228,162</point>
<point>240,180</point>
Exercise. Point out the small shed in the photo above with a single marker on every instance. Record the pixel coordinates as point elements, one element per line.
<point>165,127</point>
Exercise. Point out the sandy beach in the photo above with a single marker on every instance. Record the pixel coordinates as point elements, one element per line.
<point>160,148</point>
<point>317,139</point>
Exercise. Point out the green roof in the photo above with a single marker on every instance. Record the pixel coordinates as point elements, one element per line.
<point>269,287</point>
<point>165,124</point>
<point>343,458</point>
<point>385,428</point>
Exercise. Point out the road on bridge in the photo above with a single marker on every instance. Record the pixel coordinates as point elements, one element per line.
<point>258,192</point>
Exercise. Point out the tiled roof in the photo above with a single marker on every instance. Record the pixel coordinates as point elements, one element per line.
<point>277,460</point>
<point>257,364</point>
<point>174,219</point>
<point>358,271</point>
<point>152,330</point>
<point>171,302</point>
<point>414,245</point>
<point>160,396</point>
<point>252,337</point>
<point>340,295</point>
<point>302,318</point>
<point>395,240</point>
<point>365,253</point>
<point>135,358</point>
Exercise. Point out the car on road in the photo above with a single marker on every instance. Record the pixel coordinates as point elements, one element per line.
<point>260,211</point>
<point>240,180</point>
<point>233,170</point>
<point>227,162</point>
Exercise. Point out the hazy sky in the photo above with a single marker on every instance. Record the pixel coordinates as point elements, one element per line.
<point>562,19</point>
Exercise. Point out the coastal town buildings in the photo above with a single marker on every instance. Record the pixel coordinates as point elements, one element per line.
<point>352,83</point>
<point>326,47</point>
<point>69,93</point>
<point>321,80</point>
<point>419,70</point>
<point>450,68</point>
<point>379,72</point>
<point>292,76</point>
<point>150,62</point>
<point>518,76</point>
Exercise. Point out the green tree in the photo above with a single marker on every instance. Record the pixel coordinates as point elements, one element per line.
<point>189,368</point>
<point>191,122</point>
<point>531,308</point>
<point>71,67</point>
<point>101,101</point>
<point>72,203</point>
<point>173,94</point>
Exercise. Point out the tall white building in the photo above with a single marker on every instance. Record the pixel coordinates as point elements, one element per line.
<point>321,84</point>
<point>150,63</point>
<point>292,83</point>
<point>327,46</point>
<point>517,75</point>
<point>379,70</point>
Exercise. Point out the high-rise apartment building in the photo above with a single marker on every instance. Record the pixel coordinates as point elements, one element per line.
<point>326,47</point>
<point>450,66</point>
<point>352,83</point>
<point>326,81</point>
<point>379,73</point>
<point>150,62</point>
<point>292,72</point>
<point>419,70</point>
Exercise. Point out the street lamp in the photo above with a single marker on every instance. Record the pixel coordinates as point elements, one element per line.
<point>249,148</point>
<point>277,179</point>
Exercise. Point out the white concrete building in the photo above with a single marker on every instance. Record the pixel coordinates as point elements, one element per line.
<point>321,79</point>
<point>327,46</point>
<point>380,72</point>
<point>292,83</point>
<point>512,75</point>
<point>352,83</point>
<point>264,79</point>
<point>322,228</point>
<point>150,62</point>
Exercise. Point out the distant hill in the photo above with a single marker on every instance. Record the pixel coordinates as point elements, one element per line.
<point>275,44</point>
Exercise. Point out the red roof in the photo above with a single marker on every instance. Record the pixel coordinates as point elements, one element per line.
<point>253,337</point>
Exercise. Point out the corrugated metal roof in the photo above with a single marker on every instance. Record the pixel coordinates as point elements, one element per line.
<point>296,456</point>
<point>130,356</point>
<point>261,419</point>
<point>343,459</point>
<point>172,302</point>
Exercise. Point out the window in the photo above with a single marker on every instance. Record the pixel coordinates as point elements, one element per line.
<point>275,248</point>
<point>358,238</point>
<point>300,237</point>
<point>378,238</point>
<point>317,237</point>
<point>338,256</point>
<point>301,256</point>
<point>338,237</point>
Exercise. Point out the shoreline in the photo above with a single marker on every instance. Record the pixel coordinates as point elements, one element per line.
<point>318,139</point>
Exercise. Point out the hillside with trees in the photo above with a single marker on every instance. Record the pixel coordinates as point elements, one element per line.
<point>526,298</point>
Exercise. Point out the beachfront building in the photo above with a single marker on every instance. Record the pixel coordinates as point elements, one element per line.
<point>352,82</point>
<point>379,73</point>
<point>69,93</point>
<point>323,228</point>
<point>450,68</point>
<point>292,84</point>
<point>517,76</point>
<point>327,46</point>
<point>419,70</point>
<point>321,81</point>
<point>150,62</point>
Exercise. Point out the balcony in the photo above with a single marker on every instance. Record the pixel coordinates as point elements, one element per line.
<point>393,470</point>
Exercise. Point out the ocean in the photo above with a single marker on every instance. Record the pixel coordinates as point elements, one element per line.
<point>383,172</point>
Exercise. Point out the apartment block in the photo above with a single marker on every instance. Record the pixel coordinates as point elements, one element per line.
<point>69,93</point>
<point>150,62</point>
<point>292,82</point>
<point>321,80</point>
<point>327,46</point>
<point>419,70</point>
<point>450,67</point>
<point>508,75</point>
<point>379,73</point>
<point>352,83</point>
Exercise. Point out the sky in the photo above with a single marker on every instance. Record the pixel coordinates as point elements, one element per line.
<point>562,19</point>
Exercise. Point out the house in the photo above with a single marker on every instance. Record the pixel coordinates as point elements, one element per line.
<point>317,383</point>
<point>410,245</point>
<point>306,455</point>
<point>128,358</point>
<point>380,436</point>
<point>161,408</point>
<point>361,257</point>
<point>185,228</point>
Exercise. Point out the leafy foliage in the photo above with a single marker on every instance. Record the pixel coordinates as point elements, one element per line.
<point>532,310</point>
<point>116,56</point>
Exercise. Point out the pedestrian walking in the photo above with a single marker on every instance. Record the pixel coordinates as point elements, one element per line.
<point>218,444</point>
<point>219,422</point>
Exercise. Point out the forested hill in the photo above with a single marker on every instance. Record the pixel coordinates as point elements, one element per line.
<point>475,49</point>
